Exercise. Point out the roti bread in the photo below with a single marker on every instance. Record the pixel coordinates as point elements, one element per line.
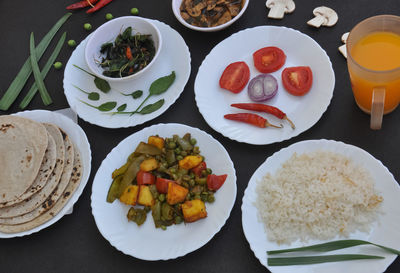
<point>48,163</point>
<point>65,197</point>
<point>55,195</point>
<point>37,199</point>
<point>23,143</point>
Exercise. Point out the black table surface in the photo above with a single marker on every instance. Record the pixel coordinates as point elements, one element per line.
<point>74,244</point>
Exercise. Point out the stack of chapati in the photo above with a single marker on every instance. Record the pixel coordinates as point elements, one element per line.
<point>40,170</point>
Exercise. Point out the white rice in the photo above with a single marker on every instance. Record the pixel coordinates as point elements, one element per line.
<point>318,195</point>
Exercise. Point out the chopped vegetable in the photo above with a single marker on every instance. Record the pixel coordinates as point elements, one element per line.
<point>36,73</point>
<point>57,65</point>
<point>214,182</point>
<point>145,197</point>
<point>149,164</point>
<point>235,77</point>
<point>71,43</point>
<point>145,178</point>
<point>297,80</point>
<point>176,194</point>
<point>252,119</point>
<point>264,108</point>
<point>18,83</point>
<point>193,210</point>
<point>278,8</point>
<point>156,141</point>
<point>82,4</point>
<point>199,168</point>
<point>138,216</point>
<point>99,5</point>
<point>87,26</point>
<point>190,161</point>
<point>162,184</point>
<point>318,259</point>
<point>269,59</point>
<point>130,194</point>
<point>134,11</point>
<point>262,87</point>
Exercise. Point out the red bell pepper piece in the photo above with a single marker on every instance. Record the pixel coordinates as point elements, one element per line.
<point>82,4</point>
<point>145,178</point>
<point>252,119</point>
<point>162,184</point>
<point>99,5</point>
<point>214,182</point>
<point>199,168</point>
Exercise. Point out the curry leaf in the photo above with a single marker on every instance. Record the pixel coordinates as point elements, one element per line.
<point>150,108</point>
<point>121,108</point>
<point>161,85</point>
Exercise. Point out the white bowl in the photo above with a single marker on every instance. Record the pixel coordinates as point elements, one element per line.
<point>108,32</point>
<point>175,8</point>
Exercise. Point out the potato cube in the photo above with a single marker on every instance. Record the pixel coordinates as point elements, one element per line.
<point>156,141</point>
<point>149,164</point>
<point>190,161</point>
<point>194,210</point>
<point>176,193</point>
<point>129,196</point>
<point>145,197</point>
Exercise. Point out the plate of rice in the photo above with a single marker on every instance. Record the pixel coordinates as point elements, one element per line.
<point>317,191</point>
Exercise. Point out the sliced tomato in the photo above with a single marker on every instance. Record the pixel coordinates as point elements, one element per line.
<point>297,80</point>
<point>162,184</point>
<point>145,178</point>
<point>199,168</point>
<point>235,77</point>
<point>269,59</point>
<point>214,182</point>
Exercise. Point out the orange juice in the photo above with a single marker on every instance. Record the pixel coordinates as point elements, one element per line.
<point>378,53</point>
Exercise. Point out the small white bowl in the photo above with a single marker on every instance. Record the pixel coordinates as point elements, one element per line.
<point>176,9</point>
<point>108,32</point>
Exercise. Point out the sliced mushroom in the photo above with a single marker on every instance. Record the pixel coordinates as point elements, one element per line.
<point>224,18</point>
<point>194,9</point>
<point>211,4</point>
<point>278,8</point>
<point>342,48</point>
<point>234,9</point>
<point>324,16</point>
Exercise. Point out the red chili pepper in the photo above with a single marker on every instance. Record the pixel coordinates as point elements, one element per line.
<point>99,5</point>
<point>82,4</point>
<point>252,119</point>
<point>129,53</point>
<point>259,107</point>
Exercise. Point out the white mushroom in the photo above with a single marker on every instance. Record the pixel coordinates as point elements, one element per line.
<point>278,8</point>
<point>324,16</point>
<point>342,48</point>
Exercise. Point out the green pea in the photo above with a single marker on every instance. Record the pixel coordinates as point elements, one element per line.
<point>185,184</point>
<point>192,175</point>
<point>172,170</point>
<point>192,182</point>
<point>203,172</point>
<point>210,198</point>
<point>196,150</point>
<point>186,177</point>
<point>161,197</point>
<point>209,171</point>
<point>197,196</point>
<point>57,65</point>
<point>163,227</point>
<point>177,151</point>
<point>147,209</point>
<point>171,145</point>
<point>175,176</point>
<point>109,16</point>
<point>179,157</point>
<point>183,153</point>
<point>134,11</point>
<point>193,141</point>
<point>71,43</point>
<point>87,26</point>
<point>178,220</point>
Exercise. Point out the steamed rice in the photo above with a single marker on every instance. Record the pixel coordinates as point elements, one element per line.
<point>318,195</point>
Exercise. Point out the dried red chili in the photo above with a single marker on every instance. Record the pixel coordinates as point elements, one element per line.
<point>82,4</point>
<point>252,119</point>
<point>259,107</point>
<point>99,5</point>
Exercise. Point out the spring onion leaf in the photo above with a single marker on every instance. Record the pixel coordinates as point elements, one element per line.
<point>284,261</point>
<point>32,91</point>
<point>334,245</point>
<point>36,73</point>
<point>18,83</point>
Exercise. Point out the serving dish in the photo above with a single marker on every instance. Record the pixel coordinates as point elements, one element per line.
<point>176,10</point>
<point>304,111</point>
<point>177,240</point>
<point>78,137</point>
<point>108,32</point>
<point>384,232</point>
<point>174,56</point>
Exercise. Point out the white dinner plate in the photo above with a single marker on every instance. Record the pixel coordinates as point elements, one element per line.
<point>386,231</point>
<point>174,56</point>
<point>80,140</point>
<point>147,242</point>
<point>301,50</point>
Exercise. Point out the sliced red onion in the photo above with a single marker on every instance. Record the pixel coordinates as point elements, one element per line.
<point>262,87</point>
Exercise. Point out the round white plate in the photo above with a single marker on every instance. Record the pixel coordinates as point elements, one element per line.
<point>174,56</point>
<point>385,232</point>
<point>80,140</point>
<point>146,242</point>
<point>301,50</point>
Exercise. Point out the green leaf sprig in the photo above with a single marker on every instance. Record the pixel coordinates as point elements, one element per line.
<point>101,84</point>
<point>105,107</point>
<point>135,94</point>
<point>91,95</point>
<point>330,246</point>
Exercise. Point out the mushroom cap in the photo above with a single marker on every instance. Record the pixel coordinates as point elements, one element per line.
<point>288,4</point>
<point>329,14</point>
<point>345,36</point>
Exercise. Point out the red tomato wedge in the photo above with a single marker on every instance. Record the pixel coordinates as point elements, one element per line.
<point>297,80</point>
<point>199,168</point>
<point>269,59</point>
<point>162,184</point>
<point>145,178</point>
<point>214,182</point>
<point>235,77</point>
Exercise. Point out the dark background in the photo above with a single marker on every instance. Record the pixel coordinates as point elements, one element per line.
<point>74,244</point>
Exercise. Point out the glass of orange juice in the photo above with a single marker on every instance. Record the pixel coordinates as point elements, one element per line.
<point>373,60</point>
